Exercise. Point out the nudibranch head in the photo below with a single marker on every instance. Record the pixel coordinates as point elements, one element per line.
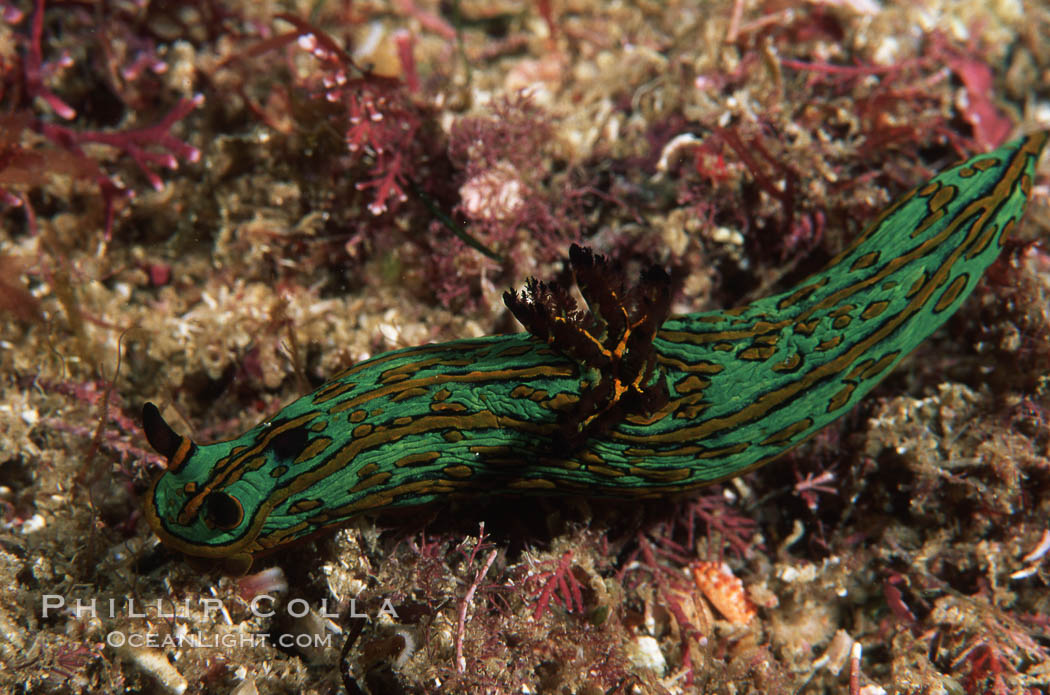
<point>199,505</point>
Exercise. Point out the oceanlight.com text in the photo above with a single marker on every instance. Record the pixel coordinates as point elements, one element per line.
<point>231,640</point>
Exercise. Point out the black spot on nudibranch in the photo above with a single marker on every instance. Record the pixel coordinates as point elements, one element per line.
<point>222,511</point>
<point>289,444</point>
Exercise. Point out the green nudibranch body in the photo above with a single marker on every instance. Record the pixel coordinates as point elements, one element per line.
<point>736,389</point>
